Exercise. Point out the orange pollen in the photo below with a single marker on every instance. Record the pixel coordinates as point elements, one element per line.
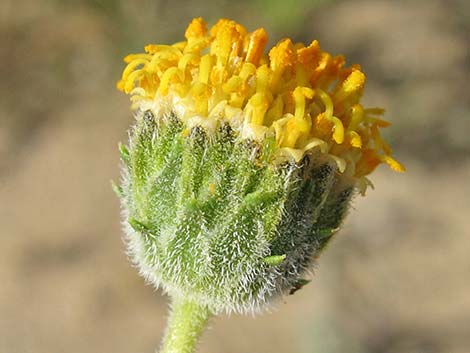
<point>304,98</point>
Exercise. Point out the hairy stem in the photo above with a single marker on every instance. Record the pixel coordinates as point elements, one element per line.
<point>186,322</point>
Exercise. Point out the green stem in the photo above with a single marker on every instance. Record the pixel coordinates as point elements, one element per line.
<point>186,322</point>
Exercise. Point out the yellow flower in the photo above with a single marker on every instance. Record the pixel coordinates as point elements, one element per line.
<point>302,97</point>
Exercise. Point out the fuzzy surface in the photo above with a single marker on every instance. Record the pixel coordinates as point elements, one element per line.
<point>207,217</point>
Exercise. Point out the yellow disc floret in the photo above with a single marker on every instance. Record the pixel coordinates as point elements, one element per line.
<point>299,95</point>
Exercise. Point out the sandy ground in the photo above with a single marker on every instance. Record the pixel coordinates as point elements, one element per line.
<point>396,279</point>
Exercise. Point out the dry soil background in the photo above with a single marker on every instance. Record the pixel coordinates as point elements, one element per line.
<point>395,280</point>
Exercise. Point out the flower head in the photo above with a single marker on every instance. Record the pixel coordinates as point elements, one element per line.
<point>300,96</point>
<point>241,165</point>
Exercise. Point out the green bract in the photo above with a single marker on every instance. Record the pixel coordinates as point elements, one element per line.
<point>209,216</point>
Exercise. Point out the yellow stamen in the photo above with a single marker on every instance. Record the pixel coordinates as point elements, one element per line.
<point>167,76</point>
<point>132,66</point>
<point>282,56</point>
<point>394,164</point>
<point>354,139</point>
<point>196,29</point>
<point>256,44</point>
<point>301,94</point>
<point>205,69</point>
<point>338,130</point>
<point>260,105</point>
<point>353,84</point>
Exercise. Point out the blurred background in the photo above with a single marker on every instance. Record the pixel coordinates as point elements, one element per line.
<point>395,280</point>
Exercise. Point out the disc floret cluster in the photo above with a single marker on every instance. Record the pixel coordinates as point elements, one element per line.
<point>301,96</point>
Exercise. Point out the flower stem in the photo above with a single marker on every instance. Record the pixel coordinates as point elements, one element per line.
<point>186,322</point>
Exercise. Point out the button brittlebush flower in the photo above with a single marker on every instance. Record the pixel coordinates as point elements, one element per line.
<point>240,168</point>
